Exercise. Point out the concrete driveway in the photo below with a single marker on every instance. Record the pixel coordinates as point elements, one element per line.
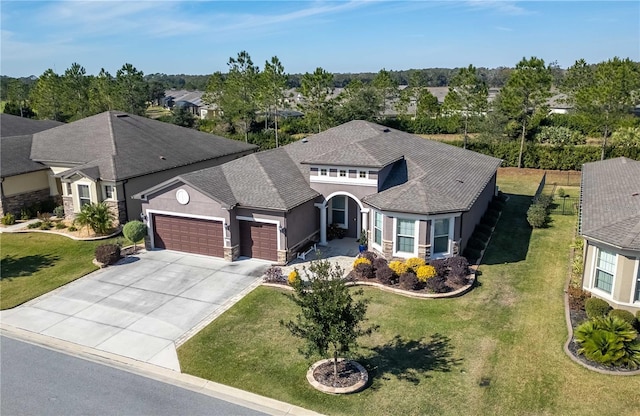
<point>142,308</point>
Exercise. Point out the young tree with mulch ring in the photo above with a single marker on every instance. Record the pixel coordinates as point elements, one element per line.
<point>330,320</point>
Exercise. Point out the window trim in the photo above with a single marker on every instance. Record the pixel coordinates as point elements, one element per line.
<point>113,196</point>
<point>373,227</point>
<point>595,269</point>
<point>451,235</point>
<point>80,197</point>
<point>416,231</point>
<point>636,292</point>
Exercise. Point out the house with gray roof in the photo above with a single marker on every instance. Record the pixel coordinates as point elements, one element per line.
<point>610,226</point>
<point>23,182</point>
<point>413,197</point>
<point>110,156</point>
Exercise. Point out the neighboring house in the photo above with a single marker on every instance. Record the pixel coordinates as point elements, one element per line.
<point>23,182</point>
<point>110,156</point>
<point>415,197</point>
<point>610,225</point>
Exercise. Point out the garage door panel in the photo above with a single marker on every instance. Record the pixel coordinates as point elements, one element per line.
<point>258,240</point>
<point>191,235</point>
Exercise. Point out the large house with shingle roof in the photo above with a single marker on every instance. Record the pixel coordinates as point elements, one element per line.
<point>610,225</point>
<point>413,197</point>
<point>110,156</point>
<point>23,182</point>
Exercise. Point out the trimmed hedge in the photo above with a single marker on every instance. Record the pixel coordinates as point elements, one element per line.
<point>624,315</point>
<point>595,307</point>
<point>108,253</point>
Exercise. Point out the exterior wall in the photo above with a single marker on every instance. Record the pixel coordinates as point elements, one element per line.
<point>27,182</point>
<point>359,191</point>
<point>384,172</point>
<point>624,280</point>
<point>302,224</point>
<point>139,184</point>
<point>472,217</point>
<point>14,203</point>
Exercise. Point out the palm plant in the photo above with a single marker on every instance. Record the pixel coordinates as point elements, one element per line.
<point>98,217</point>
<point>610,341</point>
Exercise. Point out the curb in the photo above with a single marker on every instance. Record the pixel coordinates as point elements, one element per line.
<point>220,391</point>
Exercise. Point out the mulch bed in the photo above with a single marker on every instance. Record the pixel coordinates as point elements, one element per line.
<point>348,374</point>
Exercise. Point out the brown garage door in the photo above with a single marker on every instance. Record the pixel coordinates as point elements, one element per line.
<point>192,235</point>
<point>258,240</point>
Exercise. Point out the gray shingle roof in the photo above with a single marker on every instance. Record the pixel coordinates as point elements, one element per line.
<point>123,146</point>
<point>11,125</point>
<point>610,209</point>
<point>428,177</point>
<point>15,159</point>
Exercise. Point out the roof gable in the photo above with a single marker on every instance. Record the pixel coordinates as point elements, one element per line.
<point>11,125</point>
<point>14,156</point>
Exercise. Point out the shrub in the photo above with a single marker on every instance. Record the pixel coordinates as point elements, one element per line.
<point>537,216</point>
<point>483,228</point>
<point>476,244</point>
<point>496,205</point>
<point>73,228</point>
<point>59,211</point>
<point>34,225</point>
<point>441,267</point>
<point>108,253</point>
<point>472,254</point>
<point>596,308</point>
<point>624,315</point>
<point>484,238</point>
<point>609,341</point>
<point>98,217</point>
<point>274,275</point>
<point>408,281</point>
<point>545,201</point>
<point>414,263</point>
<point>577,298</point>
<point>489,221</point>
<point>425,272</point>
<point>458,269</point>
<point>370,255</point>
<point>385,275</point>
<point>45,225</point>
<point>365,270</point>
<point>380,263</point>
<point>60,225</point>
<point>293,277</point>
<point>8,219</point>
<point>25,214</point>
<point>134,231</point>
<point>398,267</point>
<point>361,260</point>
<point>437,284</point>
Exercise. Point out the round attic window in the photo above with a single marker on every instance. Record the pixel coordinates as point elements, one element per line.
<point>182,196</point>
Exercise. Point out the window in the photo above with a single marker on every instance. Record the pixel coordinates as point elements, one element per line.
<point>323,172</point>
<point>637,298</point>
<point>405,235</point>
<point>109,192</point>
<point>605,268</point>
<point>83,195</point>
<point>343,173</point>
<point>377,229</point>
<point>338,210</point>
<point>362,174</point>
<point>441,236</point>
<point>67,188</point>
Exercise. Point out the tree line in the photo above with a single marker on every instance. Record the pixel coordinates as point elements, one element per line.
<point>250,100</point>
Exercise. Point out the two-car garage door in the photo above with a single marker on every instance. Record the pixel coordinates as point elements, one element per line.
<point>201,236</point>
<point>192,235</point>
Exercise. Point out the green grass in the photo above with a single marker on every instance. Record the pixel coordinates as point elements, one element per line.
<point>35,263</point>
<point>434,356</point>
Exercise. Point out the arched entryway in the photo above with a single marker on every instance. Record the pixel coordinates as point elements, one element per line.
<point>344,210</point>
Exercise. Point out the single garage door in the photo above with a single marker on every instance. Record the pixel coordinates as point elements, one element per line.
<point>258,240</point>
<point>192,235</point>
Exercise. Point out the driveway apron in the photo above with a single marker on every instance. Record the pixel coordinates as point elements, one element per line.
<point>142,308</point>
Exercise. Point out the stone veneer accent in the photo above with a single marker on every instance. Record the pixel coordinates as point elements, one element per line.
<point>423,251</point>
<point>67,202</point>
<point>15,203</point>
<point>387,249</point>
<point>119,209</point>
<point>282,256</point>
<point>232,253</point>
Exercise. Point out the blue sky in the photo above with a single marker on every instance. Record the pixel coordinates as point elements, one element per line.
<point>198,37</point>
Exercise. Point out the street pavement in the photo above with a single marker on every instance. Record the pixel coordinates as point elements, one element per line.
<point>142,308</point>
<point>39,381</point>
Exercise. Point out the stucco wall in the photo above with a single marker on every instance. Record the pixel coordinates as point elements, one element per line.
<point>472,217</point>
<point>27,182</point>
<point>301,223</point>
<point>359,191</point>
<point>199,204</point>
<point>622,293</point>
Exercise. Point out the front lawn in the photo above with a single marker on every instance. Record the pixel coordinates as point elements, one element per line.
<point>33,264</point>
<point>497,350</point>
